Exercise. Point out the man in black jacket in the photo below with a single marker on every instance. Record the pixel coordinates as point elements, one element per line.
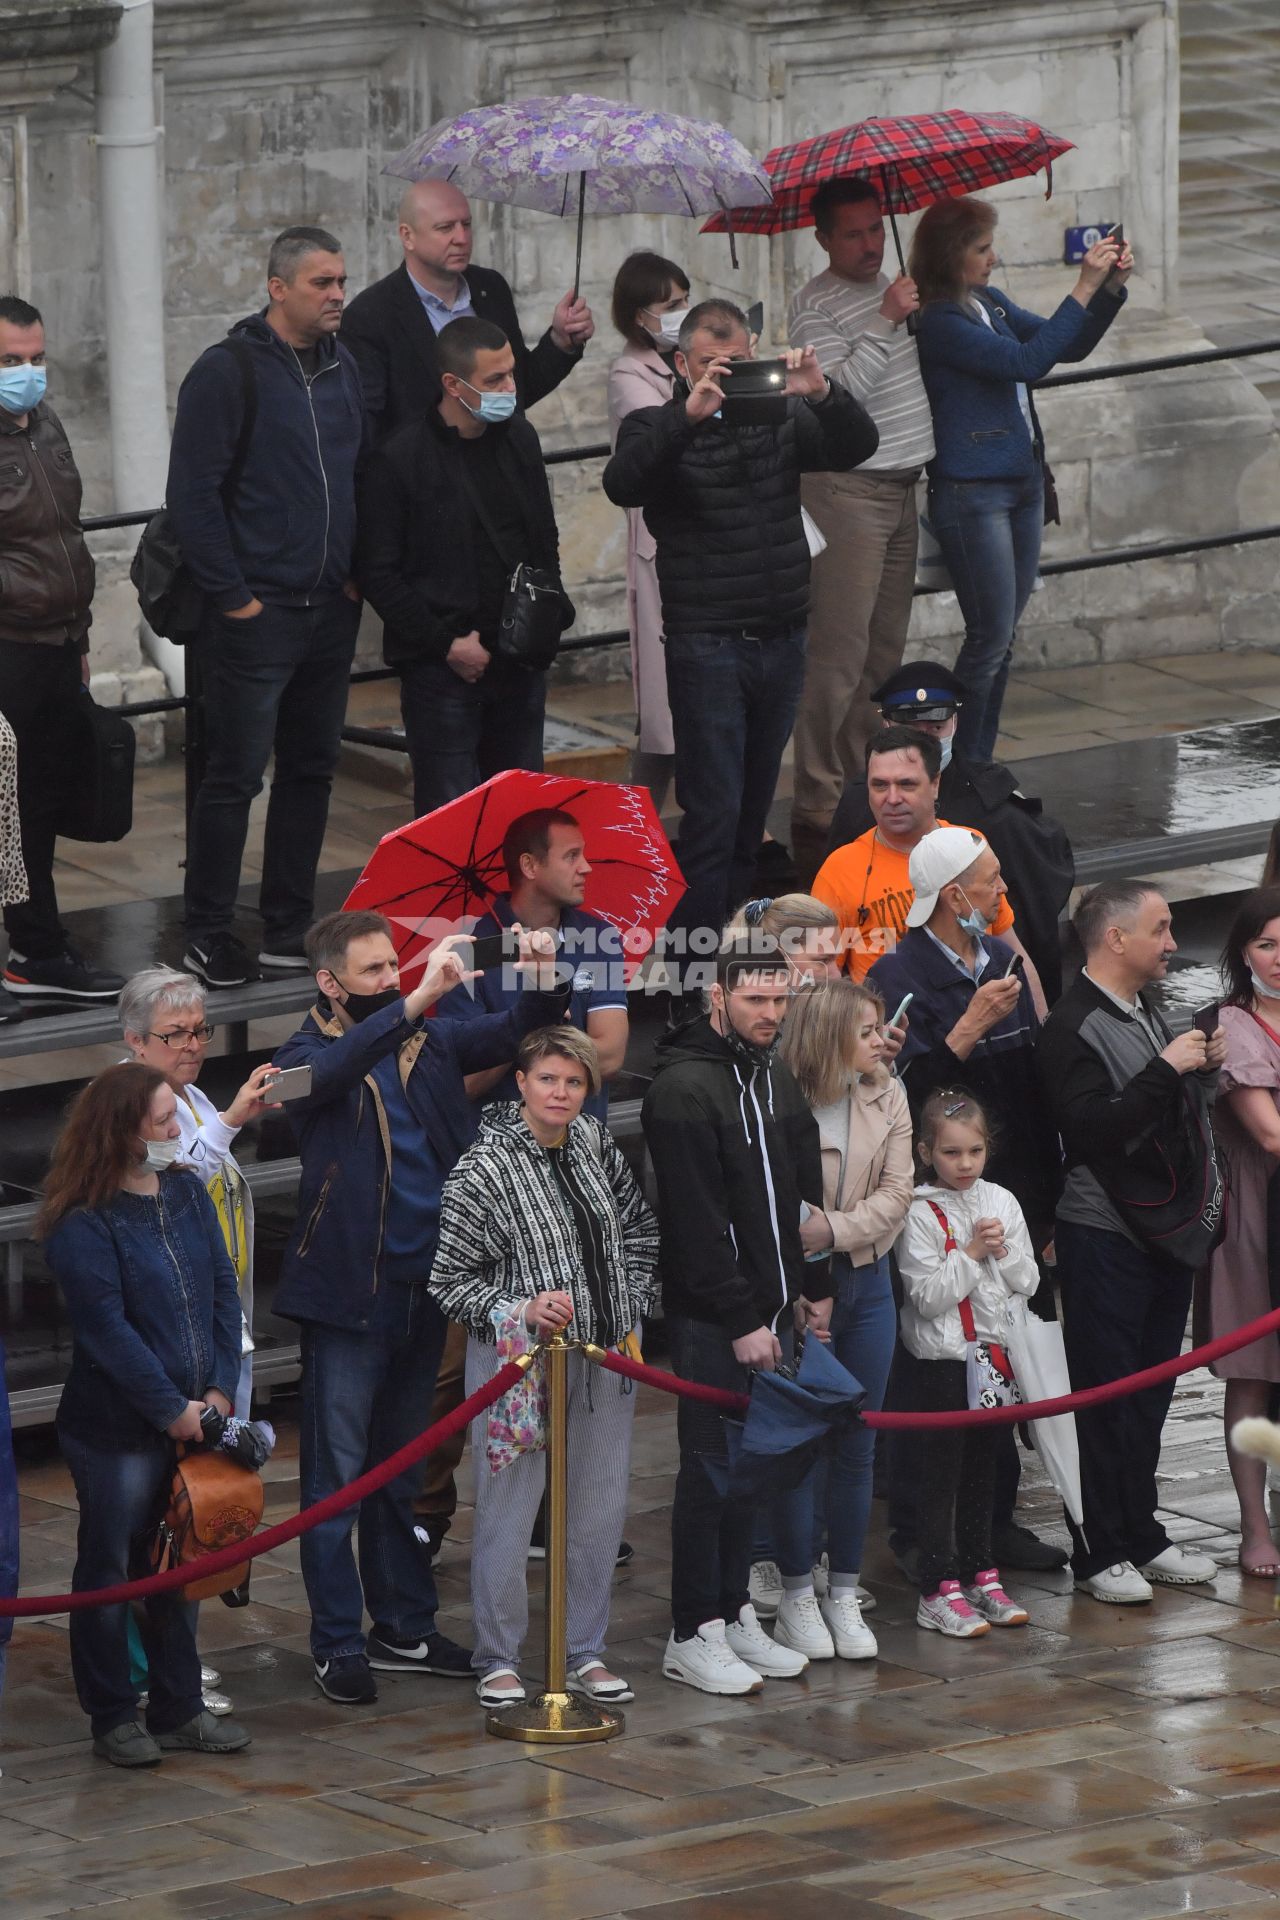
<point>269,538</point>
<point>1032,847</point>
<point>392,327</point>
<point>722,502</point>
<point>1140,1210</point>
<point>48,577</point>
<point>735,1151</point>
<point>448,506</point>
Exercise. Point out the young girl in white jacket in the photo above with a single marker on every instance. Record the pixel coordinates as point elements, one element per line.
<point>964,1239</point>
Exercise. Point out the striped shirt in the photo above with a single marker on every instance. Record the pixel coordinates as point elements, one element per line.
<point>875,360</point>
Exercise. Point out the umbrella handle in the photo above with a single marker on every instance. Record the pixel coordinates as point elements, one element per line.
<point>913,319</point>
<point>582,209</point>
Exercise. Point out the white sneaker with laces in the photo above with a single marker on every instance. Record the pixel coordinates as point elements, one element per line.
<point>1121,1585</point>
<point>800,1625</point>
<point>764,1584</point>
<point>851,1636</point>
<point>752,1644</point>
<point>1175,1567</point>
<point>947,1611</point>
<point>706,1661</point>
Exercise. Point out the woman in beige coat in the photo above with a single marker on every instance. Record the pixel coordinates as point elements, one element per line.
<point>650,299</point>
<point>833,1042</point>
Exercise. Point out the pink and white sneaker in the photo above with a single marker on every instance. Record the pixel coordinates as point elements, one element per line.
<point>987,1597</point>
<point>948,1611</point>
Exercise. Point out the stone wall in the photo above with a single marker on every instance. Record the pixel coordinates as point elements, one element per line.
<point>273,114</point>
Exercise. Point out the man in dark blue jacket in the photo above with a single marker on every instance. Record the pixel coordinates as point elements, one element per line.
<point>261,494</point>
<point>384,1123</point>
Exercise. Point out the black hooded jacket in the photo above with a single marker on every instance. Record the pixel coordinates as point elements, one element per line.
<point>735,1150</point>
<point>723,505</point>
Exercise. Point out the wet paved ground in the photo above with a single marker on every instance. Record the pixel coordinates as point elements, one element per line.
<point>1105,1763</point>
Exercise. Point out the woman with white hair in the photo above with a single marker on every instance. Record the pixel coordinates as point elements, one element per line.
<point>162,1014</point>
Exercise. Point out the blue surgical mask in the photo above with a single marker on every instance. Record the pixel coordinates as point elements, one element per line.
<point>493,408</point>
<point>948,748</point>
<point>973,922</point>
<point>22,388</point>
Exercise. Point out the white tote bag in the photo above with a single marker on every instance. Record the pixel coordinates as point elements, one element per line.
<point>1039,1359</point>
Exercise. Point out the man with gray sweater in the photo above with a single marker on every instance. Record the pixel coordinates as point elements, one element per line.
<point>855,317</point>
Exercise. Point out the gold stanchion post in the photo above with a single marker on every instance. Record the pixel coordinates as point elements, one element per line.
<point>556,1717</point>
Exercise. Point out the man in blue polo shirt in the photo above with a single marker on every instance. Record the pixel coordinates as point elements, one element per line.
<point>544,853</point>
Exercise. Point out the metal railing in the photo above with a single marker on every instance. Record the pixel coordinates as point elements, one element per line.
<point>392,740</point>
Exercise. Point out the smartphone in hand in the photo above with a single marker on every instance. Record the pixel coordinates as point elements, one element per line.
<point>1206,1019</point>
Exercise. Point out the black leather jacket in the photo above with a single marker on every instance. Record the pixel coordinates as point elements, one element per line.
<point>46,570</point>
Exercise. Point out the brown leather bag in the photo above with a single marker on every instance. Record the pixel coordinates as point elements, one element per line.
<point>213,1502</point>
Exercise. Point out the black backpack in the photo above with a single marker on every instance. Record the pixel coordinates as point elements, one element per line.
<point>172,604</point>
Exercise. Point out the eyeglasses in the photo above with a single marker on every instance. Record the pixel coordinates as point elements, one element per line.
<point>183,1037</point>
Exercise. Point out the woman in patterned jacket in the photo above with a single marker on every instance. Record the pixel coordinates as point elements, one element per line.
<point>543,1229</point>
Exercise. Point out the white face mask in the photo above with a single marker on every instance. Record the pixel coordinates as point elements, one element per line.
<point>667,331</point>
<point>160,1154</point>
<point>1260,987</point>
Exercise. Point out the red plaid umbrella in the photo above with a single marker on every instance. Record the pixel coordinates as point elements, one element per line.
<point>917,158</point>
<point>438,874</point>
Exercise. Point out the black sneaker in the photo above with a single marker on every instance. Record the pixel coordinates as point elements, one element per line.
<point>65,977</point>
<point>11,1010</point>
<point>430,1531</point>
<point>284,957</point>
<point>346,1678</point>
<point>220,961</point>
<point>436,1654</point>
<point>1024,1551</point>
<point>626,1552</point>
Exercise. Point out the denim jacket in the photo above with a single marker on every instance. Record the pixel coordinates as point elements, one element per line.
<point>155,1316</point>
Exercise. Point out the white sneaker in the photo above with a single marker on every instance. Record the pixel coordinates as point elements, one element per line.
<point>706,1661</point>
<point>947,1611</point>
<point>1122,1585</point>
<point>800,1625</point>
<point>764,1584</point>
<point>1175,1567</point>
<point>852,1638</point>
<point>751,1643</point>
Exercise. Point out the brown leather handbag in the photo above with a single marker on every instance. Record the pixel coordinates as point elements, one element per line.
<point>214,1502</point>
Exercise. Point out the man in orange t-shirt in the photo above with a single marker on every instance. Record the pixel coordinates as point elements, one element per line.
<point>867,883</point>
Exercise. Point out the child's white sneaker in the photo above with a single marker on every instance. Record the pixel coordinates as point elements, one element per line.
<point>987,1597</point>
<point>850,1633</point>
<point>764,1585</point>
<point>800,1625</point>
<point>751,1643</point>
<point>947,1611</point>
<point>706,1661</point>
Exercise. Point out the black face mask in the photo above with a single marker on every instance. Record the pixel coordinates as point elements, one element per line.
<point>361,1006</point>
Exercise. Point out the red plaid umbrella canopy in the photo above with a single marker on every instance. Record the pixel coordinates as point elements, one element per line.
<point>917,159</point>
<point>436,875</point>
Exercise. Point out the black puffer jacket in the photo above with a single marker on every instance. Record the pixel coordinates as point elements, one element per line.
<point>723,504</point>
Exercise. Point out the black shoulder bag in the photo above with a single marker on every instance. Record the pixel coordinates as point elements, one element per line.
<point>173,606</point>
<point>535,608</point>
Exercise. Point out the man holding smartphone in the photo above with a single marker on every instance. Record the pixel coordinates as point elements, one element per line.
<point>1141,1210</point>
<point>722,502</point>
<point>386,1121</point>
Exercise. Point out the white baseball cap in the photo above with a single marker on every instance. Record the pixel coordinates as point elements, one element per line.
<point>941,857</point>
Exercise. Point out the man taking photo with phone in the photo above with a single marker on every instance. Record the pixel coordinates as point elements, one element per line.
<point>722,501</point>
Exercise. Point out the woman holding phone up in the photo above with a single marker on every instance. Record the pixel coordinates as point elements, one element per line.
<point>980,355</point>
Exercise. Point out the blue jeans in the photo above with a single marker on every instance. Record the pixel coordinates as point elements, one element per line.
<point>121,1495</point>
<point>989,532</point>
<point>733,704</point>
<point>364,1395</point>
<point>276,682</point>
<point>460,733</point>
<point>863,1325</point>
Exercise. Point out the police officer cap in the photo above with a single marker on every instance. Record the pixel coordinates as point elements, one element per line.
<point>920,690</point>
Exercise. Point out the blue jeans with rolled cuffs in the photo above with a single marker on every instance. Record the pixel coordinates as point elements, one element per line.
<point>989,532</point>
<point>835,1500</point>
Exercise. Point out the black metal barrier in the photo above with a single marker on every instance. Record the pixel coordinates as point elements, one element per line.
<point>393,740</point>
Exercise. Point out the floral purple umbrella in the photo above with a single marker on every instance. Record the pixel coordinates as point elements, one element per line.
<point>579,153</point>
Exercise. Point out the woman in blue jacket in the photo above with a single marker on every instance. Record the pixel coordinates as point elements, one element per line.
<point>135,1245</point>
<point>980,355</point>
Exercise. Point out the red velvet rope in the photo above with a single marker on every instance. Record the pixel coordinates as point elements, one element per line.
<point>269,1537</point>
<point>981,1416</point>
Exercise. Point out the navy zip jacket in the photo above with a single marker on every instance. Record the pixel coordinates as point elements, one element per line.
<point>1000,1072</point>
<point>155,1316</point>
<point>287,535</point>
<point>334,1261</point>
<point>971,373</point>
